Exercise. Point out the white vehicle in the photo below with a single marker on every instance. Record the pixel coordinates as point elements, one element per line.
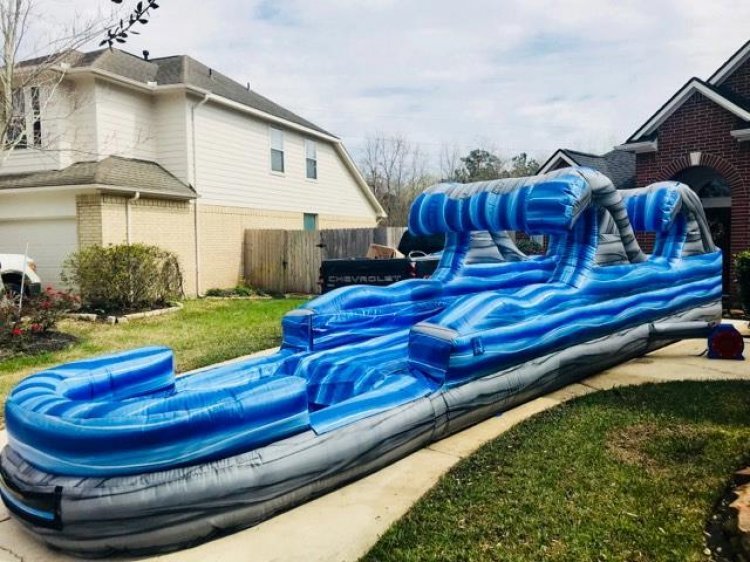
<point>12,272</point>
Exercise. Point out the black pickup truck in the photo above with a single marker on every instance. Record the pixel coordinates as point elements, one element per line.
<point>421,260</point>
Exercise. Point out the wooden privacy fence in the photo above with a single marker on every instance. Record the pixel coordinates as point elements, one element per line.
<point>288,261</point>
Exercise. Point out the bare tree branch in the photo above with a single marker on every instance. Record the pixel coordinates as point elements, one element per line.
<point>396,171</point>
<point>28,87</point>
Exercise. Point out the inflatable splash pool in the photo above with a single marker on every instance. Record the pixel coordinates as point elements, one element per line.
<point>116,454</point>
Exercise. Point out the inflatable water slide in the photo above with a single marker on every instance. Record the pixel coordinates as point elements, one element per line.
<point>117,454</point>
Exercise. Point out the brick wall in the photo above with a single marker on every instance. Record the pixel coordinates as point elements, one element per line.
<point>739,81</point>
<point>702,126</point>
<point>160,222</point>
<point>89,214</point>
<point>102,219</point>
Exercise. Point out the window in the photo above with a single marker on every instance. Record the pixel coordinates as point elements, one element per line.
<point>311,160</point>
<point>15,136</point>
<point>277,150</point>
<point>22,123</point>
<point>310,221</point>
<point>36,115</point>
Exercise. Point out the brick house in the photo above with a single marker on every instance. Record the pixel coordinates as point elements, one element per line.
<point>166,151</point>
<point>701,137</point>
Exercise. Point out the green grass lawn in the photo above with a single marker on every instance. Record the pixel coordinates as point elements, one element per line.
<point>625,475</point>
<point>204,332</point>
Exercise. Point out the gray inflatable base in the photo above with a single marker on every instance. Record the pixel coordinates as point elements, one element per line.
<point>169,510</point>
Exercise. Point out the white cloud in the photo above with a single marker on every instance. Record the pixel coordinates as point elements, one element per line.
<point>522,74</point>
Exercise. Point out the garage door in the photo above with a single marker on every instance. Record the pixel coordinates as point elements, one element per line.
<point>50,242</point>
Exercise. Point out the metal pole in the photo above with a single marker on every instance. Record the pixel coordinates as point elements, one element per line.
<point>23,279</point>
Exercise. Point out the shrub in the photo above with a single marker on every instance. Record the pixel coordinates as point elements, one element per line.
<point>38,317</point>
<point>742,271</point>
<point>238,291</point>
<point>124,278</point>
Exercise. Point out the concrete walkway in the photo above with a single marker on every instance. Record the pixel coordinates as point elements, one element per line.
<point>344,524</point>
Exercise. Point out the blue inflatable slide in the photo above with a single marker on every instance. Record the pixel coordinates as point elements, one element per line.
<point>117,454</point>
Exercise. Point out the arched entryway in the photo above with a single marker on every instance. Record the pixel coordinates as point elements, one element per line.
<point>716,196</point>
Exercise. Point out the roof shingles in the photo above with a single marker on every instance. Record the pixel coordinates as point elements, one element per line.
<point>182,69</point>
<point>125,174</point>
<point>617,165</point>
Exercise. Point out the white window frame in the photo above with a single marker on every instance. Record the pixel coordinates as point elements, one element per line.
<point>28,117</point>
<point>272,147</point>
<point>314,145</point>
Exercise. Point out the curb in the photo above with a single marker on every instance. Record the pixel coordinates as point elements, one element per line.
<point>125,318</point>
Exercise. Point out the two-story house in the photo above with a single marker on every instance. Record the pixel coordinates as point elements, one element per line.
<point>169,152</point>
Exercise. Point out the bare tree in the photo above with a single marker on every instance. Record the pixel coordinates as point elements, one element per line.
<point>450,162</point>
<point>33,70</point>
<point>397,172</point>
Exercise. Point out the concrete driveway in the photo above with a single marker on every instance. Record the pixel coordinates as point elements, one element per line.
<point>344,524</point>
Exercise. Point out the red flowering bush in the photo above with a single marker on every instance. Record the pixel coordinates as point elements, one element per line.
<point>38,316</point>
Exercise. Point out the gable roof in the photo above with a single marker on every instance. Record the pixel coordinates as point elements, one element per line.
<point>121,174</point>
<point>617,165</point>
<point>732,64</point>
<point>731,102</point>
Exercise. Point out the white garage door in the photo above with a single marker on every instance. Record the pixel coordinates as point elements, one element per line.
<point>50,242</point>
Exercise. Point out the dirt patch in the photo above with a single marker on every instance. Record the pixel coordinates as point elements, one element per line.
<point>47,342</point>
<point>658,448</point>
<point>627,445</point>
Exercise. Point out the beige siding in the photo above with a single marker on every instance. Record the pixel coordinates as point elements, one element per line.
<point>55,112</point>
<point>233,168</point>
<point>125,122</point>
<point>24,160</point>
<point>172,138</point>
<point>80,136</point>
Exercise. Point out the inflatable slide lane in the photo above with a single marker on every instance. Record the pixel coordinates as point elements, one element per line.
<point>118,455</point>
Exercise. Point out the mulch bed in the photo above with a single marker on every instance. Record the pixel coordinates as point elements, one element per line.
<point>43,343</point>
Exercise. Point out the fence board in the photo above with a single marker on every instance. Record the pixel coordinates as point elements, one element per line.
<point>288,261</point>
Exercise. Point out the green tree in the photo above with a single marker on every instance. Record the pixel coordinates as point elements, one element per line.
<point>479,165</point>
<point>521,165</point>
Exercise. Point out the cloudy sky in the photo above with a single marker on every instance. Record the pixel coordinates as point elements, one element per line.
<point>517,75</point>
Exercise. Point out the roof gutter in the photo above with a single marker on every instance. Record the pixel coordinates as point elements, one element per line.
<point>96,187</point>
<point>128,221</point>
<point>242,108</point>
<point>110,76</point>
<point>639,147</point>
<point>341,149</point>
<point>741,135</point>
